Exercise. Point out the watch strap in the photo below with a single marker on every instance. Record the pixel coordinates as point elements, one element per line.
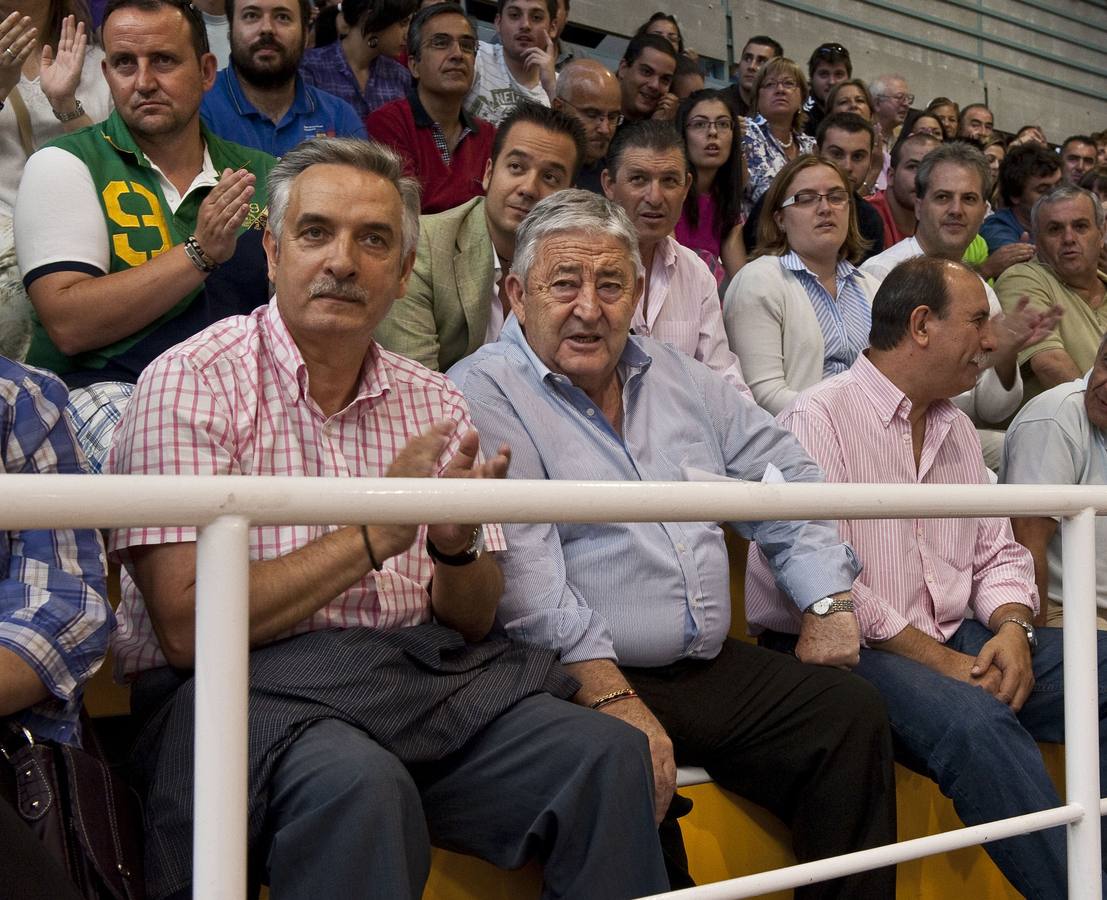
<point>470,554</point>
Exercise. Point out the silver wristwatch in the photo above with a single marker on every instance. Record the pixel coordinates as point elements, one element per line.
<point>1031,632</point>
<point>828,605</point>
<point>77,112</point>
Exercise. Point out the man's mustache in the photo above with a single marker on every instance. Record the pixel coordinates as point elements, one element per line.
<point>325,286</point>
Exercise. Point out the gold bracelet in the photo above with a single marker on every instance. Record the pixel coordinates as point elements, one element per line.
<point>624,694</point>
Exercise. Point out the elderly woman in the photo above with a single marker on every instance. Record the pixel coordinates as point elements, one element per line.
<point>801,310</point>
<point>775,135</point>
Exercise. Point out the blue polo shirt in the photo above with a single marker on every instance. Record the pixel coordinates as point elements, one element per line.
<point>314,113</point>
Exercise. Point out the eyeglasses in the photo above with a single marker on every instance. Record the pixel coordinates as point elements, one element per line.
<point>466,43</point>
<point>830,50</point>
<point>837,198</point>
<point>788,84</point>
<point>702,123</point>
<point>593,115</point>
<point>899,98</point>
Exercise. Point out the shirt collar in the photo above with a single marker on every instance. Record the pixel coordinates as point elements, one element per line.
<point>887,399</point>
<point>293,372</point>
<point>791,261</point>
<point>634,359</point>
<point>422,117</point>
<point>302,102</point>
<point>223,154</point>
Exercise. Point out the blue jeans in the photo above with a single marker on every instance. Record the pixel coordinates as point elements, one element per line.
<point>983,756</point>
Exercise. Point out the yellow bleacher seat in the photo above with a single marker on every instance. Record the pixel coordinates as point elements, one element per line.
<point>725,835</point>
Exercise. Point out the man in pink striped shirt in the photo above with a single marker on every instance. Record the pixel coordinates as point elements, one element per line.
<point>381,717</point>
<point>944,605</point>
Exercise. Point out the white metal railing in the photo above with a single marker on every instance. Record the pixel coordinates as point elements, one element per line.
<point>224,508</point>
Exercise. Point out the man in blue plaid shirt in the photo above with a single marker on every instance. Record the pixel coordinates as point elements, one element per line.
<point>55,621</point>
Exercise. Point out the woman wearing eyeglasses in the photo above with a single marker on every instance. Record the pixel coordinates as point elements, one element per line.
<point>361,67</point>
<point>709,222</point>
<point>775,135</point>
<point>800,311</point>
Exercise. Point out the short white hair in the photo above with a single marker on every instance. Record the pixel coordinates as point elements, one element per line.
<point>572,211</point>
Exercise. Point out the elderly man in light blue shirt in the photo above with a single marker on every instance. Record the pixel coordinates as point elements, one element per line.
<point>640,612</point>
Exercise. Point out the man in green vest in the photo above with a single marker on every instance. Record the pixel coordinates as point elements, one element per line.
<point>139,231</point>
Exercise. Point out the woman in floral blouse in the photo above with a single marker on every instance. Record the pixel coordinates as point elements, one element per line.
<point>774,136</point>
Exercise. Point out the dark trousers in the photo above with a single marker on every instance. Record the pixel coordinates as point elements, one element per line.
<point>809,743</point>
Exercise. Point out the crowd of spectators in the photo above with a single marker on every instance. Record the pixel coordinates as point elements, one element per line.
<point>266,237</point>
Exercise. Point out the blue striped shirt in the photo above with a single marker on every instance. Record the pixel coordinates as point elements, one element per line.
<point>845,320</point>
<point>53,611</point>
<point>643,594</point>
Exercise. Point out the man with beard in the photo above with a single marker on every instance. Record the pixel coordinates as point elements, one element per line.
<point>260,100</point>
<point>137,232</point>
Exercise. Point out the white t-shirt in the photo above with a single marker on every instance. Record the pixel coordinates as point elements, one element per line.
<point>1052,441</point>
<point>495,93</point>
<point>219,37</point>
<point>95,98</point>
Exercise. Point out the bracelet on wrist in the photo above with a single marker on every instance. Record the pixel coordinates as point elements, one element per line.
<point>198,257</point>
<point>613,697</point>
<point>369,549</point>
<point>74,113</point>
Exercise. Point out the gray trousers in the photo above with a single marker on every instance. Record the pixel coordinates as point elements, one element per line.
<point>546,780</point>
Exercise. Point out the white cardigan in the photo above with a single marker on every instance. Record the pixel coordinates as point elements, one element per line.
<point>772,328</point>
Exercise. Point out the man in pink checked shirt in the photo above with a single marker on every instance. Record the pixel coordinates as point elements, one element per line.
<point>381,715</point>
<point>944,606</point>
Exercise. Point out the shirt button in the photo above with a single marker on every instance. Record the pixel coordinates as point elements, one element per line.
<point>680,547</point>
<point>590,412</point>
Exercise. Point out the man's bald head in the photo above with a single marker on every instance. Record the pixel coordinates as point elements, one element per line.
<point>589,91</point>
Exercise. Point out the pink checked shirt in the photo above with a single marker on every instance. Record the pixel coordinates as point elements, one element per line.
<point>930,573</point>
<point>233,400</point>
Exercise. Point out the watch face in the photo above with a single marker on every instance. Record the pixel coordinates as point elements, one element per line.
<point>821,607</point>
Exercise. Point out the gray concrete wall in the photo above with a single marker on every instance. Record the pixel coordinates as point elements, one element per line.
<point>884,37</point>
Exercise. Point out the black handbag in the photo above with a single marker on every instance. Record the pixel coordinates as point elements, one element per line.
<point>85,816</point>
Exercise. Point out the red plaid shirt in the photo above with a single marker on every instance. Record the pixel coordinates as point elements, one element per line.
<point>234,400</point>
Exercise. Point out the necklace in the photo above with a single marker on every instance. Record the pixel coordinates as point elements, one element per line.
<point>787,146</point>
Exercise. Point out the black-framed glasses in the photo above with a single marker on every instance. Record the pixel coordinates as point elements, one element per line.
<point>830,50</point>
<point>466,43</point>
<point>837,198</point>
<point>722,125</point>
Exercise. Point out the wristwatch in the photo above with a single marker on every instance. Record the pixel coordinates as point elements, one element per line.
<point>470,554</point>
<point>76,113</point>
<point>1031,632</point>
<point>826,606</point>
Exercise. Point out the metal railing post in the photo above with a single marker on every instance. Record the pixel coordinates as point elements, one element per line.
<point>1081,702</point>
<point>222,655</point>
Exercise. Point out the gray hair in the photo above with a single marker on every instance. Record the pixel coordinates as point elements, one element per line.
<point>366,156</point>
<point>568,211</point>
<point>1061,193</point>
<point>878,87</point>
<point>959,153</point>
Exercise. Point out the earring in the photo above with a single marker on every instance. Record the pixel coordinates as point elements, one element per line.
<point>373,41</point>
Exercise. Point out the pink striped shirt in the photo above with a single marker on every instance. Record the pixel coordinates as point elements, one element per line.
<point>929,573</point>
<point>234,400</point>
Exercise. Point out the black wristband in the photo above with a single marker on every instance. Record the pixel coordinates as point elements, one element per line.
<point>369,548</point>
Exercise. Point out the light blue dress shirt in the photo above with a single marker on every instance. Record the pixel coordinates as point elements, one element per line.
<point>642,594</point>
